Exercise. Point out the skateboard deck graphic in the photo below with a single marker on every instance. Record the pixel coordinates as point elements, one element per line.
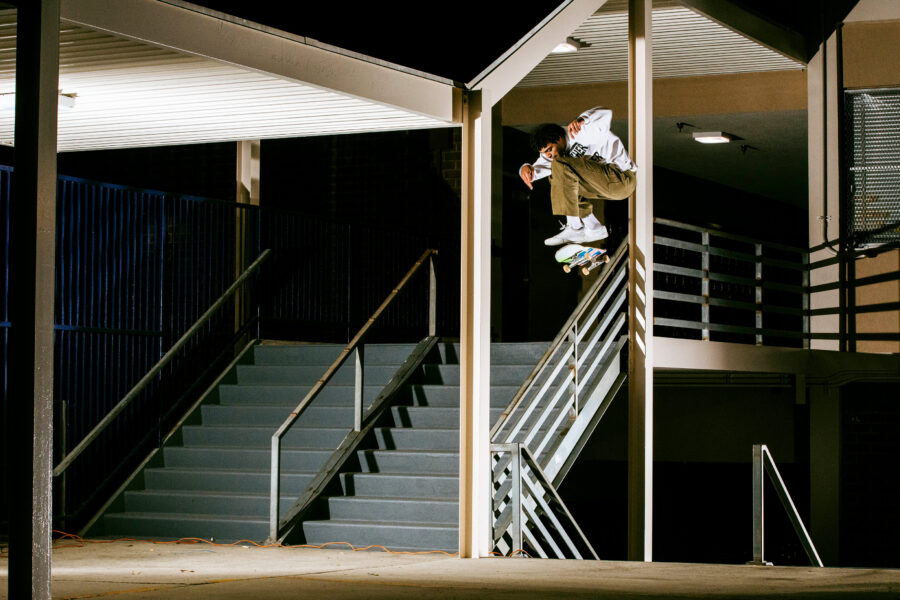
<point>576,255</point>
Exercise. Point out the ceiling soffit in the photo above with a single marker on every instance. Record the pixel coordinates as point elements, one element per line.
<point>685,44</point>
<point>131,94</point>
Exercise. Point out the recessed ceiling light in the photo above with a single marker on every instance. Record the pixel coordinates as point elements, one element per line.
<point>570,45</point>
<point>712,137</point>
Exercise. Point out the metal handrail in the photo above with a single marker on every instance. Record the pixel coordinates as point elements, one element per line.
<point>154,371</point>
<point>537,497</point>
<point>561,338</point>
<point>763,461</point>
<point>356,345</point>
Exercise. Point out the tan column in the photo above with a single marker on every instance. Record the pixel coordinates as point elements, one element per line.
<point>246,192</point>
<point>640,285</point>
<point>824,194</point>
<point>31,301</point>
<point>475,318</point>
<point>825,471</point>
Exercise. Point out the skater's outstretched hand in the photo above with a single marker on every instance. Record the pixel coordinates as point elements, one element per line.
<point>575,126</point>
<point>527,175</point>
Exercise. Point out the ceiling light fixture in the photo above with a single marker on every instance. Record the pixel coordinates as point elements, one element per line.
<point>712,137</point>
<point>570,45</point>
<point>8,100</point>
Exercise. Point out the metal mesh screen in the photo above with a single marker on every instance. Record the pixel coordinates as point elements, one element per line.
<point>873,159</point>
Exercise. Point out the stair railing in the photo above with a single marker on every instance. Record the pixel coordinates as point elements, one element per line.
<point>155,370</point>
<point>556,410</point>
<point>360,421</point>
<point>763,461</point>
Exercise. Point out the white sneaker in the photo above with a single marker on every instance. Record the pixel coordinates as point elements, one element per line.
<point>592,234</point>
<point>566,235</point>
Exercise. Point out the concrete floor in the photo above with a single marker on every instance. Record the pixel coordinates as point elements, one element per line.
<point>146,570</point>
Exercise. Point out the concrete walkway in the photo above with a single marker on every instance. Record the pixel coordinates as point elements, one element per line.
<point>146,570</point>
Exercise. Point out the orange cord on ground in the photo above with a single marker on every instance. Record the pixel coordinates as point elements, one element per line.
<point>80,542</point>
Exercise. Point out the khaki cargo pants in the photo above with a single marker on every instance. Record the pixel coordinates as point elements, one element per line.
<point>572,179</point>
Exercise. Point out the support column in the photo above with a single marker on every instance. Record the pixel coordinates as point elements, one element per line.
<point>824,192</point>
<point>475,320</point>
<point>246,192</point>
<point>825,471</point>
<point>31,278</point>
<point>640,285</point>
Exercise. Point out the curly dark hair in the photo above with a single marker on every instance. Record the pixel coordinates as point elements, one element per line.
<point>546,133</point>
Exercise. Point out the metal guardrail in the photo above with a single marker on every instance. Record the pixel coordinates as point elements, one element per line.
<point>555,411</point>
<point>764,288</point>
<point>356,347</point>
<point>736,274</point>
<point>526,491</point>
<point>155,370</point>
<point>763,461</point>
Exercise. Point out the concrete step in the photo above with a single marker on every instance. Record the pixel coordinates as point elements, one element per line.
<point>417,510</point>
<point>431,416</point>
<point>391,535</point>
<point>246,459</point>
<point>161,526</point>
<point>405,485</point>
<point>409,461</point>
<point>199,502</point>
<point>325,354</point>
<point>289,396</point>
<point>390,438</point>
<point>448,395</point>
<point>505,375</point>
<point>222,480</point>
<point>501,353</point>
<point>274,416</point>
<point>261,437</point>
<point>308,375</point>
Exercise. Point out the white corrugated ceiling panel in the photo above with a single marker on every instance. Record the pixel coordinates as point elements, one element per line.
<point>130,94</point>
<point>685,44</point>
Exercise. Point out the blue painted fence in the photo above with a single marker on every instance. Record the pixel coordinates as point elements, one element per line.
<point>136,268</point>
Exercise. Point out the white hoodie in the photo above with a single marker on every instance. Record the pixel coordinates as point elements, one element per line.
<point>594,140</point>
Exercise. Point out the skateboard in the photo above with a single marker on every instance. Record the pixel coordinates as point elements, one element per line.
<point>575,255</point>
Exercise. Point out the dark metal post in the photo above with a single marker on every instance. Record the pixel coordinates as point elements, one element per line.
<point>31,274</point>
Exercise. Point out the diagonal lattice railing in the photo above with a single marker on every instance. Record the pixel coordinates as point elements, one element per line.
<point>539,436</point>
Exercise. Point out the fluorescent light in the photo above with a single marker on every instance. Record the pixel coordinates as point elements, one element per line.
<point>570,45</point>
<point>712,137</point>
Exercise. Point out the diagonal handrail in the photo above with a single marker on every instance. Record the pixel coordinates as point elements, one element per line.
<point>556,408</point>
<point>154,371</point>
<point>562,337</point>
<point>763,461</point>
<point>356,344</point>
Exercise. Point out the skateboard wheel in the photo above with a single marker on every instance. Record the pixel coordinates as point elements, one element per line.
<point>567,268</point>
<point>585,270</point>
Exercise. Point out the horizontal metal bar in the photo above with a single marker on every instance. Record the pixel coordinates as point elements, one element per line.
<point>154,371</point>
<point>713,250</point>
<point>859,309</point>
<point>700,274</point>
<point>684,324</point>
<point>727,236</point>
<point>860,282</point>
<point>712,301</point>
<point>104,331</point>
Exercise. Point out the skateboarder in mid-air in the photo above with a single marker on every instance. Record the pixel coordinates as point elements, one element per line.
<point>585,161</point>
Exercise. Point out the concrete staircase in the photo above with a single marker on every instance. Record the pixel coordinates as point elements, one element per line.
<point>211,480</point>
<point>402,491</point>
